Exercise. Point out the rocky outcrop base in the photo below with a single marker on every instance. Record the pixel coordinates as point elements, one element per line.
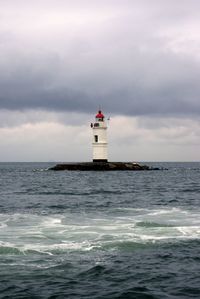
<point>102,166</point>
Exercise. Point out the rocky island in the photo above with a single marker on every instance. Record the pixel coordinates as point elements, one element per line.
<point>102,166</point>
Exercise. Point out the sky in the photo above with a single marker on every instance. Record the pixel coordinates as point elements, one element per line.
<point>139,60</point>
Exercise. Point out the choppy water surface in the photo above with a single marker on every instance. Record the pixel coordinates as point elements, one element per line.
<point>99,234</point>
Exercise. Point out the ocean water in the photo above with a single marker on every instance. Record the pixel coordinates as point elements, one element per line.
<point>99,234</point>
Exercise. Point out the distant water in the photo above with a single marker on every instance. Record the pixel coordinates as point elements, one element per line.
<point>99,234</point>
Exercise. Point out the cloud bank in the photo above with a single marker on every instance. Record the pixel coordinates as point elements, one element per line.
<point>130,57</point>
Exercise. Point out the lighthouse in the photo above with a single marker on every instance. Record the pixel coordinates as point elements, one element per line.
<point>99,144</point>
<point>100,147</point>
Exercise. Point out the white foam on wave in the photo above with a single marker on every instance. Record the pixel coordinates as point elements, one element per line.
<point>52,222</point>
<point>50,234</point>
<point>40,169</point>
<point>166,211</point>
<point>3,225</point>
<point>191,232</point>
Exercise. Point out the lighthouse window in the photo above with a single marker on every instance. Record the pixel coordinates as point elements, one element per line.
<point>96,138</point>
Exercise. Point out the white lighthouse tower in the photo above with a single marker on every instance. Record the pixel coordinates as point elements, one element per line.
<point>99,144</point>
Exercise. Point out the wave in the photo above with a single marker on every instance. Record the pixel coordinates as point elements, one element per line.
<point>126,229</point>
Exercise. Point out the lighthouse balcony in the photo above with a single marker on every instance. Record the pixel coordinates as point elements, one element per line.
<point>101,125</point>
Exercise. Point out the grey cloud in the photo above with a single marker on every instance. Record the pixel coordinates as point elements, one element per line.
<point>17,118</point>
<point>121,60</point>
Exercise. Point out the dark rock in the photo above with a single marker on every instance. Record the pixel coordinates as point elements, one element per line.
<point>101,166</point>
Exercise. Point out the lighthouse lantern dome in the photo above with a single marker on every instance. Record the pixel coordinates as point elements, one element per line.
<point>100,116</point>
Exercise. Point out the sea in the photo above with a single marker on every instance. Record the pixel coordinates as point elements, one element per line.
<point>105,235</point>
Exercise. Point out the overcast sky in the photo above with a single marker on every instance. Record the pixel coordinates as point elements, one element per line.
<point>138,59</point>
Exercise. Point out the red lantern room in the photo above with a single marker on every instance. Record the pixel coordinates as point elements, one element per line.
<point>99,116</point>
